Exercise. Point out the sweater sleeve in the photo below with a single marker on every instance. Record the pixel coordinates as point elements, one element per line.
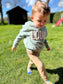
<point>17,39</point>
<point>22,34</point>
<point>46,43</point>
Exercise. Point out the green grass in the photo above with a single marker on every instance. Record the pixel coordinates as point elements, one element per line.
<point>13,66</point>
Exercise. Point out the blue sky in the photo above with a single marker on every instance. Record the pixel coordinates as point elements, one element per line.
<point>55,5</point>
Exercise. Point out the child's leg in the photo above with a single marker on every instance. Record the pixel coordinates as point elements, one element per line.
<point>30,64</point>
<point>29,71</point>
<point>40,66</point>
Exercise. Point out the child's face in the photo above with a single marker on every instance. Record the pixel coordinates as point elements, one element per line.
<point>39,20</point>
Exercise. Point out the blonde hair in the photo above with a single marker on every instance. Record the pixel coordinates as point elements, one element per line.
<point>42,7</point>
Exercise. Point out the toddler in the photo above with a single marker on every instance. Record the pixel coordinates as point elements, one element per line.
<point>34,34</point>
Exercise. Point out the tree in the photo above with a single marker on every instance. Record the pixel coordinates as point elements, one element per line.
<point>48,1</point>
<point>2,20</point>
<point>38,0</point>
<point>51,14</point>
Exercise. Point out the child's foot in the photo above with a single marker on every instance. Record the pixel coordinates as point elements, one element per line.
<point>49,82</point>
<point>29,71</point>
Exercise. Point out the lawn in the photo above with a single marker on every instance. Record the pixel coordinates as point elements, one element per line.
<point>13,66</point>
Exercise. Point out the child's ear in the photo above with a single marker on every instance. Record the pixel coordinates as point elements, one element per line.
<point>31,18</point>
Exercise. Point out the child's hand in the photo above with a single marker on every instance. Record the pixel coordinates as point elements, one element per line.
<point>13,49</point>
<point>48,49</point>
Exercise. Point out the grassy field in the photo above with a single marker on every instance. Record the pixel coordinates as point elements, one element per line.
<point>13,66</point>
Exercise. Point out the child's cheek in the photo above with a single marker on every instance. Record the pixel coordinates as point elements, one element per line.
<point>37,24</point>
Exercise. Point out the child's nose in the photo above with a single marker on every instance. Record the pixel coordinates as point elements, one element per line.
<point>42,23</point>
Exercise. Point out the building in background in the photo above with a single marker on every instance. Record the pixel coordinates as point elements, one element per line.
<point>17,15</point>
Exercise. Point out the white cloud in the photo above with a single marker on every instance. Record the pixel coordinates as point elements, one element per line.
<point>60,3</point>
<point>54,10</point>
<point>30,2</point>
<point>51,1</point>
<point>27,1</point>
<point>44,0</point>
<point>8,5</point>
<point>29,14</point>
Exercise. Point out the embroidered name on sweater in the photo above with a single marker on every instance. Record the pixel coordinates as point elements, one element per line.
<point>36,35</point>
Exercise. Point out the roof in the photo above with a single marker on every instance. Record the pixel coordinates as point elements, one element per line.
<point>15,8</point>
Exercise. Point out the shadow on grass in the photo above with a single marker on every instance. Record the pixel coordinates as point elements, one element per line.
<point>58,71</point>
<point>34,68</point>
<point>4,24</point>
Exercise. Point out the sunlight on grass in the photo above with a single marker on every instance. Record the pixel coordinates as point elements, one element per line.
<point>13,66</point>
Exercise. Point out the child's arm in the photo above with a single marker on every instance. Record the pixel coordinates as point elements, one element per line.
<point>46,44</point>
<point>16,42</point>
<point>22,34</point>
<point>18,39</point>
<point>13,49</point>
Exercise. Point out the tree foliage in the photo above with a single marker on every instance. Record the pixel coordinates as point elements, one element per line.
<point>2,21</point>
<point>56,17</point>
